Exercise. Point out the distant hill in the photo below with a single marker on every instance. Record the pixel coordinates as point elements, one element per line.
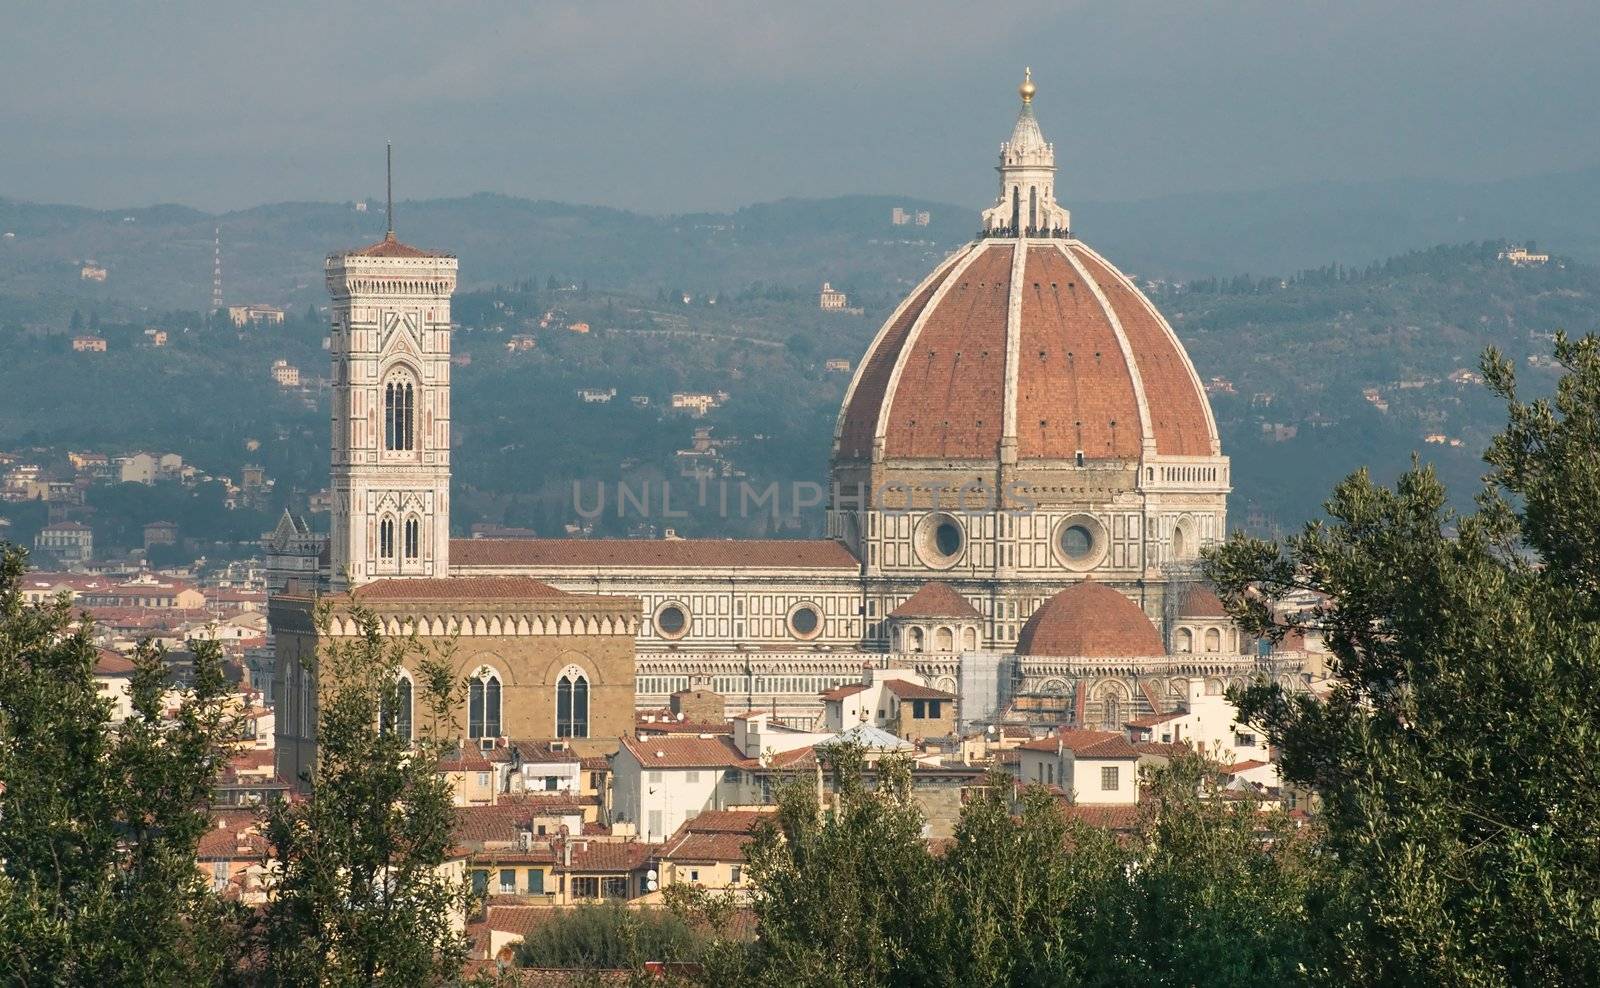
<point>161,257</point>
<point>1316,375</point>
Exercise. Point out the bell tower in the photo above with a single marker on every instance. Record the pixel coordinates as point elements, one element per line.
<point>390,346</point>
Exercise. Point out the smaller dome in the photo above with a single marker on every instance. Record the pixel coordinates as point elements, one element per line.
<point>1200,601</point>
<point>1089,619</point>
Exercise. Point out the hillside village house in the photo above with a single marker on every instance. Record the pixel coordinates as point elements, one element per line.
<point>64,544</point>
<point>1090,766</point>
<point>897,700</point>
<point>255,315</point>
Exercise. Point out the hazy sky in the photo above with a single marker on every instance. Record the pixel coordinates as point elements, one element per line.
<point>673,106</point>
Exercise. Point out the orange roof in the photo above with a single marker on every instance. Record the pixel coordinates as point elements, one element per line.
<point>840,692</point>
<point>1085,744</point>
<point>683,752</point>
<point>1121,818</point>
<point>109,663</point>
<point>725,822</point>
<point>707,847</point>
<point>1201,601</point>
<point>671,553</point>
<point>907,690</point>
<point>459,587</point>
<point>936,599</point>
<point>1087,347</point>
<point>1245,766</point>
<point>506,820</point>
<point>1090,619</point>
<point>607,856</point>
<point>390,247</point>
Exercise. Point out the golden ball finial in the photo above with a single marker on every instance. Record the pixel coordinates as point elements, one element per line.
<point>1027,88</point>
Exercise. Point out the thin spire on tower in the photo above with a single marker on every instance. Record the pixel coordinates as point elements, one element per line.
<point>389,182</point>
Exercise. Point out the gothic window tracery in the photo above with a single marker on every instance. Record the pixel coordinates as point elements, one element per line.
<point>483,705</point>
<point>413,539</point>
<point>399,414</point>
<point>386,538</point>
<point>572,704</point>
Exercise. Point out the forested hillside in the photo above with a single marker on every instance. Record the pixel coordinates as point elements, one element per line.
<point>1317,373</point>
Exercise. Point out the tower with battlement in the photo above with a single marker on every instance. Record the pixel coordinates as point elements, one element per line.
<point>390,345</point>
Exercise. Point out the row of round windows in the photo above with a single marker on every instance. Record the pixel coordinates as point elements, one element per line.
<point>1079,541</point>
<point>673,621</point>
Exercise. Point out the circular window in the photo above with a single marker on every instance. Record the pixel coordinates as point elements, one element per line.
<point>940,540</point>
<point>672,621</point>
<point>1080,542</point>
<point>804,621</point>
<point>1077,542</point>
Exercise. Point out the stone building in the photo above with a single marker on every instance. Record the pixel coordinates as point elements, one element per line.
<point>1025,468</point>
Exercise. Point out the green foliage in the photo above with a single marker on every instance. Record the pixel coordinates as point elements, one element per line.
<point>1456,753</point>
<point>363,894</point>
<point>847,895</point>
<point>1207,892</point>
<point>99,822</point>
<point>608,935</point>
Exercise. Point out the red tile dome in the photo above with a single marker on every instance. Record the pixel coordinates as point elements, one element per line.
<point>1092,620</point>
<point>1040,342</point>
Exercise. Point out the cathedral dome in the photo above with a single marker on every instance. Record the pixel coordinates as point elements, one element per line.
<point>1090,620</point>
<point>1025,340</point>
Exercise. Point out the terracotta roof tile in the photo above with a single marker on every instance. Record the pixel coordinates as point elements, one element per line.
<point>671,553</point>
<point>907,690</point>
<point>1201,601</point>
<point>707,847</point>
<point>505,822</point>
<point>1074,383</point>
<point>390,247</point>
<point>1177,404</point>
<point>608,856</point>
<point>725,822</point>
<point>109,663</point>
<point>847,690</point>
<point>1085,744</point>
<point>1119,819</point>
<point>948,400</point>
<point>684,752</point>
<point>936,599</point>
<point>1090,619</point>
<point>459,587</point>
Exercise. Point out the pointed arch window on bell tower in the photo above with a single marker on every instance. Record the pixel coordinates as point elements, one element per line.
<point>399,414</point>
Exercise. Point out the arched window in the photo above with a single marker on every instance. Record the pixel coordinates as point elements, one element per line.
<point>572,704</point>
<point>969,639</point>
<point>1180,543</point>
<point>913,639</point>
<point>1033,207</point>
<point>413,538</point>
<point>397,716</point>
<point>386,538</point>
<point>1183,641</point>
<point>483,706</point>
<point>1213,640</point>
<point>1113,714</point>
<point>945,639</point>
<point>399,415</point>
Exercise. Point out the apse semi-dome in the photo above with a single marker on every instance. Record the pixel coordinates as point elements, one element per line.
<point>1090,620</point>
